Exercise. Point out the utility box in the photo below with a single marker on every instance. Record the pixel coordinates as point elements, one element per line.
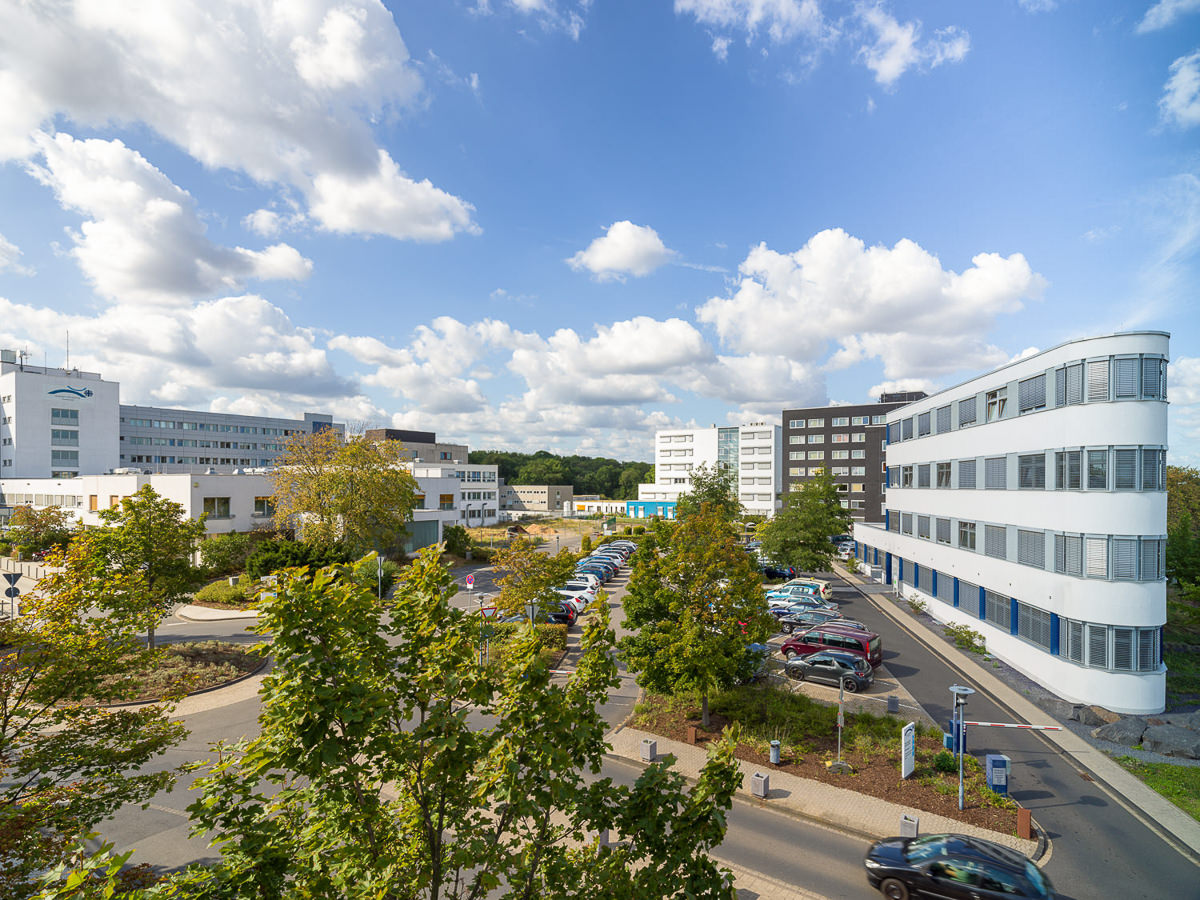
<point>649,750</point>
<point>952,736</point>
<point>760,785</point>
<point>909,825</point>
<point>998,766</point>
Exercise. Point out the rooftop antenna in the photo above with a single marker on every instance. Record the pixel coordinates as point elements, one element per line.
<point>24,354</point>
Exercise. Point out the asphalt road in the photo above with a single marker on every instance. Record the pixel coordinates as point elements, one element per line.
<point>1099,848</point>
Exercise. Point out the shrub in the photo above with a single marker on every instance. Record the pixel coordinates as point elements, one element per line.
<point>944,761</point>
<point>271,556</point>
<point>967,638</point>
<point>224,554</point>
<point>627,530</point>
<point>917,605</point>
<point>366,574</point>
<point>5,548</point>
<point>457,540</point>
<point>586,544</point>
<point>639,529</point>
<point>223,592</point>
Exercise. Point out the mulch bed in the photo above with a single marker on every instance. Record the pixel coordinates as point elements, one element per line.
<point>876,773</point>
<point>196,666</point>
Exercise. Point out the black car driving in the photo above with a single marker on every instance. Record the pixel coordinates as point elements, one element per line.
<point>953,866</point>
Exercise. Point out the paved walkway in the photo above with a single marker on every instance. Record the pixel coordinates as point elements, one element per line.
<point>1143,802</point>
<point>848,810</point>
<point>191,613</point>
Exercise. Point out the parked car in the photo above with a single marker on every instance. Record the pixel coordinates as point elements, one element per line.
<point>810,601</point>
<point>809,618</point>
<point>953,866</point>
<point>836,667</point>
<point>835,637</point>
<point>578,600</point>
<point>586,578</point>
<point>561,613</point>
<point>754,665</point>
<point>772,571</point>
<point>821,587</point>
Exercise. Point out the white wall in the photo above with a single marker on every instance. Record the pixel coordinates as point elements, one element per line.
<point>30,409</point>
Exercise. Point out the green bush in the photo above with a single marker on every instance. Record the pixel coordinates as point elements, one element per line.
<point>639,529</point>
<point>586,544</point>
<point>5,548</point>
<point>457,540</point>
<point>224,592</point>
<point>627,530</point>
<point>224,554</point>
<point>271,556</point>
<point>967,638</point>
<point>366,574</point>
<point>945,761</point>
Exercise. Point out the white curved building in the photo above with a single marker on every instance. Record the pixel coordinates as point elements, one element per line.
<point>1031,503</point>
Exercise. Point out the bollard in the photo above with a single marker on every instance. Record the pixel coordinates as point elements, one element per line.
<point>775,752</point>
<point>908,825</point>
<point>691,734</point>
<point>1024,824</point>
<point>649,750</point>
<point>893,706</point>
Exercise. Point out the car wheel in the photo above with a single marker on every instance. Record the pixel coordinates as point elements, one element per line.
<point>850,685</point>
<point>789,653</point>
<point>893,889</point>
<point>794,673</point>
<point>787,628</point>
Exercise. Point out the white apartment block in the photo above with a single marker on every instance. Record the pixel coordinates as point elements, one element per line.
<point>753,451</point>
<point>1030,503</point>
<point>477,501</point>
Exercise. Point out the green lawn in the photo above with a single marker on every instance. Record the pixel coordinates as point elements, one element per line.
<point>1179,784</point>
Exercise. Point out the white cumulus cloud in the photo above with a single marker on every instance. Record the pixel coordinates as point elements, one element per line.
<point>1180,102</point>
<point>625,249</point>
<point>781,20</point>
<point>1164,13</point>
<point>10,257</point>
<point>897,47</point>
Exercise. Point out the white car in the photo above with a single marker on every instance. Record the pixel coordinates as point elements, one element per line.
<point>587,579</point>
<point>579,599</point>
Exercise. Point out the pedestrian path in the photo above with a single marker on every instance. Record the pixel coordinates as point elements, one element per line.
<point>1148,804</point>
<point>191,613</point>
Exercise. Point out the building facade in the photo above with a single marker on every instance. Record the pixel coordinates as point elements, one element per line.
<point>517,500</point>
<point>477,500</point>
<point>849,442</point>
<point>420,446</point>
<point>1030,503</point>
<point>163,440</point>
<point>753,451</point>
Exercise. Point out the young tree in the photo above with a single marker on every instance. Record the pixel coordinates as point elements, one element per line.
<point>150,540</point>
<point>798,535</point>
<point>65,766</point>
<point>1183,494</point>
<point>715,488</point>
<point>529,577</point>
<point>358,491</point>
<point>40,529</point>
<point>1183,551</point>
<point>696,602</point>
<point>369,780</point>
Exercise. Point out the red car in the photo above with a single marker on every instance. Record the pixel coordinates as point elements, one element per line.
<point>835,637</point>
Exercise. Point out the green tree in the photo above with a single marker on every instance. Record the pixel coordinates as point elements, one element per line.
<point>543,470</point>
<point>1183,551</point>
<point>40,529</point>
<point>358,492</point>
<point>798,535</point>
<point>149,536</point>
<point>457,539</point>
<point>224,554</point>
<point>66,766</point>
<point>1183,495</point>
<point>715,488</point>
<point>369,781</point>
<point>529,577</point>
<point>696,602</point>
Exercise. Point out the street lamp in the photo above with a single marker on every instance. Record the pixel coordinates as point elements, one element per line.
<point>961,693</point>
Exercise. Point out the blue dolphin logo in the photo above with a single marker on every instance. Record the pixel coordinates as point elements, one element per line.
<point>81,393</point>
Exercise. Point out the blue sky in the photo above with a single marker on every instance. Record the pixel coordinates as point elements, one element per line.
<point>563,223</point>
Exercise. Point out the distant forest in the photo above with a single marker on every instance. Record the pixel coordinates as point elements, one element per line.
<point>610,478</point>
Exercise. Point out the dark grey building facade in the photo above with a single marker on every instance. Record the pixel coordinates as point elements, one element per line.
<point>849,441</point>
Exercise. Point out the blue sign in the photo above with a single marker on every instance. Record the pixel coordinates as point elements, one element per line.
<point>77,393</point>
<point>12,593</point>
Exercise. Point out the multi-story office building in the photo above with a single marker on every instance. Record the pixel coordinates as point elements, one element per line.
<point>169,441</point>
<point>517,500</point>
<point>752,451</point>
<point>420,446</point>
<point>848,441</point>
<point>1030,503</point>
<point>55,422</point>
<point>477,499</point>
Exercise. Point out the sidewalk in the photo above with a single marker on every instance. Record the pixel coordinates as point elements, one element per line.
<point>190,613</point>
<point>1148,805</point>
<point>848,810</point>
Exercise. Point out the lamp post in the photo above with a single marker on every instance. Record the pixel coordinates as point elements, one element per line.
<point>961,693</point>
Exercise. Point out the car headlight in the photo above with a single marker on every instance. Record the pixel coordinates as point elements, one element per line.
<point>872,864</point>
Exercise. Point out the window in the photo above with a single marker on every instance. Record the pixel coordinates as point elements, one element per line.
<point>923,527</point>
<point>796,454</point>
<point>1153,379</point>
<point>857,488</point>
<point>1068,385</point>
<point>923,476</point>
<point>894,433</point>
<point>892,476</point>
<point>816,423</point>
<point>858,454</point>
<point>62,437</point>
<point>893,520</point>
<point>966,535</point>
<point>1125,470</point>
<point>995,473</point>
<point>1031,548</point>
<point>906,476</point>
<point>942,529</point>
<point>263,507</point>
<point>1097,470</point>
<point>217,507</point>
<point>1097,557</point>
<point>841,439</point>
<point>816,454</point>
<point>858,471</point>
<point>966,412</point>
<point>816,438</point>
<point>1066,470</point>
<point>1124,559</point>
<point>1074,641</point>
<point>1097,646</point>
<point>966,474</point>
<point>1068,554</point>
<point>858,437</point>
<point>906,429</point>
<point>839,454</point>
<point>1147,649</point>
<point>1097,380</point>
<point>93,502</point>
<point>997,609</point>
<point>943,475</point>
<point>64,417</point>
<point>943,419</point>
<point>995,541</point>
<point>795,439</point>
<point>796,423</point>
<point>997,403</point>
<point>923,426</point>
<point>445,501</point>
<point>1031,394</point>
<point>878,420</point>
<point>841,471</point>
<point>64,457</point>
<point>1033,624</point>
<point>1153,559</point>
<point>860,420</point>
<point>840,422</point>
<point>1031,471</point>
<point>1125,379</point>
<point>906,523</point>
<point>1153,464</point>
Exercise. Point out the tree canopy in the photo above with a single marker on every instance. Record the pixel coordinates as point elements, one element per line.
<point>356,491</point>
<point>529,576</point>
<point>798,535</point>
<point>695,601</point>
<point>714,488</point>
<point>40,529</point>
<point>609,478</point>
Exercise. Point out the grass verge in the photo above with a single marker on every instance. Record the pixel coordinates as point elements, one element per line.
<point>1179,784</point>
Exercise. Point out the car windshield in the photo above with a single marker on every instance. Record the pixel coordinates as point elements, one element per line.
<point>927,847</point>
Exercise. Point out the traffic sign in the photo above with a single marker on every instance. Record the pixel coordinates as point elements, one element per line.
<point>470,580</point>
<point>12,577</point>
<point>12,593</point>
